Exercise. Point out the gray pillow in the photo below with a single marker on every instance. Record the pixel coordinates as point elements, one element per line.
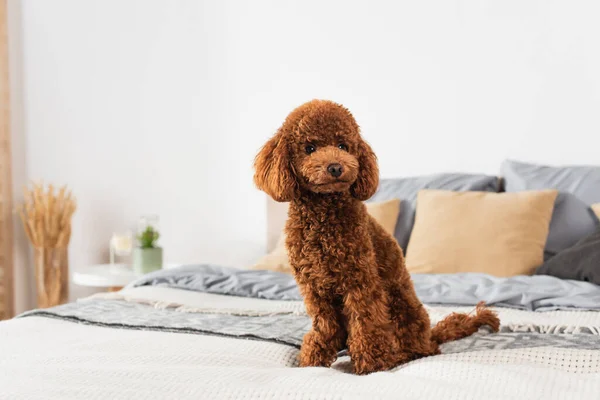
<point>578,186</point>
<point>572,220</point>
<point>581,262</point>
<point>582,181</point>
<point>406,190</point>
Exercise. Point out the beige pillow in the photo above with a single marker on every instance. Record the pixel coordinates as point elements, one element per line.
<point>596,208</point>
<point>501,234</point>
<point>385,212</point>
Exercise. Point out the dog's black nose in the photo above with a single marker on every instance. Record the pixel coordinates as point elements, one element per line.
<point>335,169</point>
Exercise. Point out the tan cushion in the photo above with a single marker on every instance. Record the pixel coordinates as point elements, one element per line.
<point>385,212</point>
<point>596,208</point>
<point>501,234</point>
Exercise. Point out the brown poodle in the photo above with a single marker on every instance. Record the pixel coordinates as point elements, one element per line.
<point>350,271</point>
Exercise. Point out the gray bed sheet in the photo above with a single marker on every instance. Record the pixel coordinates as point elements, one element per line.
<point>534,293</point>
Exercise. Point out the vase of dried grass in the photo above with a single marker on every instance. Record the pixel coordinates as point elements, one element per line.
<point>52,276</point>
<point>46,215</point>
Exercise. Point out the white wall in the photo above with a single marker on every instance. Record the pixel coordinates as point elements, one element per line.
<point>160,106</point>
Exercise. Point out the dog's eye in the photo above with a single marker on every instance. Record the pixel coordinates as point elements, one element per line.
<point>310,149</point>
<point>343,147</point>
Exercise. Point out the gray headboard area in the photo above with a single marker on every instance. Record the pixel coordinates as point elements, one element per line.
<point>276,217</point>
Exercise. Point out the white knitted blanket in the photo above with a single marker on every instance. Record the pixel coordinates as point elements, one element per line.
<point>42,358</point>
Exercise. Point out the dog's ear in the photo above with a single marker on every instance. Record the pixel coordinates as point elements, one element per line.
<point>368,173</point>
<point>273,170</point>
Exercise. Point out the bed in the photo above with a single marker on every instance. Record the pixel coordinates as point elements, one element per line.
<point>211,331</point>
<point>205,331</point>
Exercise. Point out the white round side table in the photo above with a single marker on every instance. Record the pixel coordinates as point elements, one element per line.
<point>113,277</point>
<point>110,276</point>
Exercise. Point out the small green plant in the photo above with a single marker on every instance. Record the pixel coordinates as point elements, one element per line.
<point>148,238</point>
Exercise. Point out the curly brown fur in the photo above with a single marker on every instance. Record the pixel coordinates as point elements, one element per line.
<point>457,326</point>
<point>351,273</point>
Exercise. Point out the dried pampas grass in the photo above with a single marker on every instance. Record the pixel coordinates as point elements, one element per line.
<point>46,215</point>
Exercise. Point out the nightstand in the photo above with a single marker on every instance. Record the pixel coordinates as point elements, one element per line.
<point>112,277</point>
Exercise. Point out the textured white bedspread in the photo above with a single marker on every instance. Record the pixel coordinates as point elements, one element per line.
<point>42,358</point>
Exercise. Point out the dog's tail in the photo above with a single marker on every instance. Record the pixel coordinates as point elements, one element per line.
<point>457,325</point>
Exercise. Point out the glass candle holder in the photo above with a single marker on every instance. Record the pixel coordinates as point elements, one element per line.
<point>121,245</point>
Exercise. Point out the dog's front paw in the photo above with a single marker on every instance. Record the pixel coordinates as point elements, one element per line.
<point>313,358</point>
<point>316,353</point>
<point>366,363</point>
<point>372,354</point>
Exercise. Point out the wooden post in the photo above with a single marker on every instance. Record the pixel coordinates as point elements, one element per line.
<point>6,196</point>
